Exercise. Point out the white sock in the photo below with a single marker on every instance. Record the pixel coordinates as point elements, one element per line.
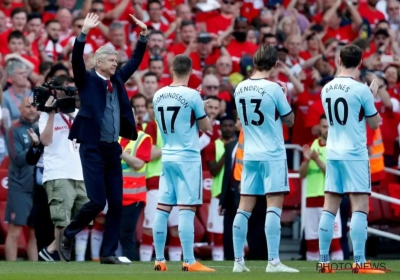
<point>175,253</point>
<point>81,240</point>
<point>312,256</point>
<point>146,253</point>
<point>118,253</point>
<point>217,253</point>
<point>96,239</point>
<point>337,256</point>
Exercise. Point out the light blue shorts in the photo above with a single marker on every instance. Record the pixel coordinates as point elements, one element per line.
<point>348,176</point>
<point>264,177</point>
<point>181,183</point>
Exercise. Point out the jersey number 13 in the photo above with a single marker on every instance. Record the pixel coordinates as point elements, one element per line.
<point>335,108</point>
<point>257,111</point>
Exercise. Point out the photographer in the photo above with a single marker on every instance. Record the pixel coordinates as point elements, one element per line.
<point>62,176</point>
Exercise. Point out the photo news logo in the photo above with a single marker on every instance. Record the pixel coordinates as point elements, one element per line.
<point>351,266</point>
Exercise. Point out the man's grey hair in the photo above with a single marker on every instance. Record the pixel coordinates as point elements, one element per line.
<point>13,65</point>
<point>116,25</point>
<point>102,52</point>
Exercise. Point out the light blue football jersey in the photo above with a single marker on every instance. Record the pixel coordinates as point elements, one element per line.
<point>260,105</point>
<point>346,104</point>
<point>176,109</point>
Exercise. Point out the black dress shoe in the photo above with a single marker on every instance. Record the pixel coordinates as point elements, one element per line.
<point>111,260</point>
<point>65,247</point>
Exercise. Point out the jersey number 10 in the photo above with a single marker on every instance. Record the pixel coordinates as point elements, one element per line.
<point>256,110</point>
<point>175,110</point>
<point>336,110</point>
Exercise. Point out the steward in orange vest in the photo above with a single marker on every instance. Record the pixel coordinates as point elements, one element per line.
<point>376,150</point>
<point>135,156</point>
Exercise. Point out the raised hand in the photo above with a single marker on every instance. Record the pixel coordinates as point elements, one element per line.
<point>374,86</point>
<point>91,21</point>
<point>306,152</point>
<point>34,137</point>
<point>141,24</point>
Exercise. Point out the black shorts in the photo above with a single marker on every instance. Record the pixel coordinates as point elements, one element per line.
<point>19,206</point>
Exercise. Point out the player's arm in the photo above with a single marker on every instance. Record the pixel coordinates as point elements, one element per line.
<point>202,119</point>
<point>284,109</point>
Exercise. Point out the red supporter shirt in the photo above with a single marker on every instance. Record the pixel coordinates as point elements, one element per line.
<point>315,111</point>
<point>176,49</point>
<point>219,24</point>
<point>390,121</point>
<point>151,129</point>
<point>373,16</point>
<point>237,50</point>
<point>344,34</point>
<point>394,91</point>
<point>96,38</point>
<point>301,133</point>
<point>196,61</point>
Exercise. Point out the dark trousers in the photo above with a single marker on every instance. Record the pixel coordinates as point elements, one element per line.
<point>102,172</point>
<point>127,238</point>
<point>40,214</point>
<point>229,216</point>
<point>256,234</point>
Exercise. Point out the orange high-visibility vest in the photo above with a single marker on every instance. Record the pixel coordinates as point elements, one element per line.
<point>134,181</point>
<point>237,172</point>
<point>376,160</point>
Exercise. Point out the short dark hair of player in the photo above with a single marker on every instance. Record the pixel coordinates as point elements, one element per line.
<point>350,56</point>
<point>181,65</point>
<point>323,117</point>
<point>15,35</point>
<point>265,58</point>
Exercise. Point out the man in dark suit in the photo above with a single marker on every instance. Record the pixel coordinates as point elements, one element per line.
<point>229,198</point>
<point>105,115</point>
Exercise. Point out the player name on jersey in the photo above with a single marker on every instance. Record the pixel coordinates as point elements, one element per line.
<point>173,95</point>
<point>244,89</point>
<point>345,88</point>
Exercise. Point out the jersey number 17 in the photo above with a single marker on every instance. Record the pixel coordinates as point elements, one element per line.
<point>336,110</point>
<point>175,111</point>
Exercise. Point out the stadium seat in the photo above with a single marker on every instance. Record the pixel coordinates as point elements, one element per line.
<point>5,163</point>
<point>22,244</point>
<point>387,214</point>
<point>293,199</point>
<point>394,191</point>
<point>375,213</point>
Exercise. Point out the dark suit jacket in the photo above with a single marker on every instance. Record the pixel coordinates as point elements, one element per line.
<point>227,179</point>
<point>92,92</point>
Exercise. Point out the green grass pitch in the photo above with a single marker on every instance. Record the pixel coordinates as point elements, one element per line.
<point>145,271</point>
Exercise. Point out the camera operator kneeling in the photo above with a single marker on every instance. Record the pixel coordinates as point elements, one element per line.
<point>62,175</point>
